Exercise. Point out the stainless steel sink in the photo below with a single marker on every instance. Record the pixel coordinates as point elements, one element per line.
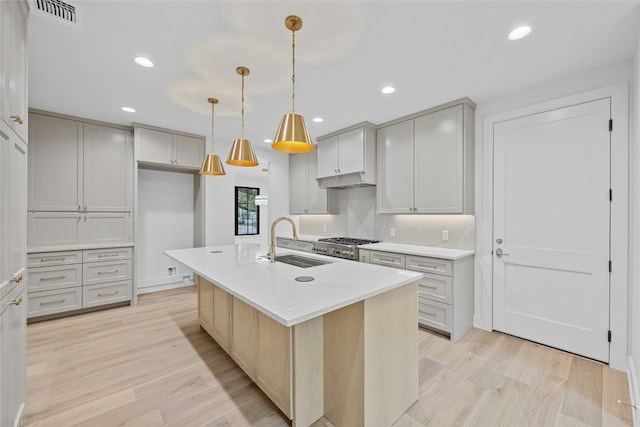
<point>301,261</point>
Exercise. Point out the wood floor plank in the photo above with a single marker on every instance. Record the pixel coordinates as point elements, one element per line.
<point>151,365</point>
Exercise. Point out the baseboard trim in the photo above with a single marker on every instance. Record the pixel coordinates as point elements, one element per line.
<point>634,391</point>
<point>164,287</point>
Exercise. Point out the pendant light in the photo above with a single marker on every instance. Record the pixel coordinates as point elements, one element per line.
<point>241,153</point>
<point>212,164</point>
<point>292,135</point>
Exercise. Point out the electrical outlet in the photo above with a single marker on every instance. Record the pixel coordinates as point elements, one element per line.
<point>445,235</point>
<point>171,271</point>
<point>392,232</point>
<point>186,279</point>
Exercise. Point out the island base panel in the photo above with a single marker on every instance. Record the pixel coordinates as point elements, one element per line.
<point>371,359</point>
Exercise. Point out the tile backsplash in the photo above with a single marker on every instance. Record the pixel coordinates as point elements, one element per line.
<point>358,218</point>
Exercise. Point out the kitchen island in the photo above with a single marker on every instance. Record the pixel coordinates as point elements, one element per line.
<point>343,345</point>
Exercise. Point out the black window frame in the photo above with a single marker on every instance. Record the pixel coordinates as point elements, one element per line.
<point>245,220</point>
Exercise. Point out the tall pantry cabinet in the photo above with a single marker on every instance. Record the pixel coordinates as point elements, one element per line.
<point>79,214</point>
<point>13,193</point>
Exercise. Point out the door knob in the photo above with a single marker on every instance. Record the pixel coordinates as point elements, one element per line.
<point>499,253</point>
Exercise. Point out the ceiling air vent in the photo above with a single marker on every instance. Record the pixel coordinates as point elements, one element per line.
<point>58,9</point>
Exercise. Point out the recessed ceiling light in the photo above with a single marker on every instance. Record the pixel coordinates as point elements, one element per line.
<point>128,109</point>
<point>144,62</point>
<point>268,141</point>
<point>388,89</point>
<point>520,32</point>
<point>318,119</point>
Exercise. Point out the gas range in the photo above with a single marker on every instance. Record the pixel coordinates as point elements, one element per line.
<point>340,247</point>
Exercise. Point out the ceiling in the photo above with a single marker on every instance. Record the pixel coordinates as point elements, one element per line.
<point>432,52</point>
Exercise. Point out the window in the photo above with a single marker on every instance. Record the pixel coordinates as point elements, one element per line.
<point>247,213</point>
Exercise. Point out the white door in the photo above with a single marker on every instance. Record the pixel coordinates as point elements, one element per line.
<point>351,151</point>
<point>551,228</point>
<point>328,156</point>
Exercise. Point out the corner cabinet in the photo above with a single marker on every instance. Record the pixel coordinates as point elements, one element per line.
<point>305,195</point>
<point>347,157</point>
<point>162,147</point>
<point>425,161</point>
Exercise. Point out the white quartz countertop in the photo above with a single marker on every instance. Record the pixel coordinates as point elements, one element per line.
<point>270,287</point>
<point>430,251</point>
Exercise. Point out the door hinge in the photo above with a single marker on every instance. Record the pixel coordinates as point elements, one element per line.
<point>610,266</point>
<point>610,195</point>
<point>609,336</point>
<point>610,125</point>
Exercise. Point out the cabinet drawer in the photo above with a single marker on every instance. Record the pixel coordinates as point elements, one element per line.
<point>429,265</point>
<point>53,258</point>
<point>106,293</point>
<point>435,287</point>
<point>54,277</point>
<point>385,258</point>
<point>435,315</point>
<point>103,272</point>
<point>284,243</point>
<point>106,254</point>
<point>57,301</point>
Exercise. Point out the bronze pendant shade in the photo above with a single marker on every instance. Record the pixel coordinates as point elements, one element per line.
<point>212,164</point>
<point>292,135</point>
<point>241,153</point>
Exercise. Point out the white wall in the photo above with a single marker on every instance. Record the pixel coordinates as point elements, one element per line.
<point>219,204</point>
<point>165,221</point>
<point>634,232</point>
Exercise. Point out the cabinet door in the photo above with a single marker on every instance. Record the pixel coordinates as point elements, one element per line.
<point>55,164</point>
<point>13,355</point>
<point>108,168</point>
<point>154,146</point>
<point>53,229</point>
<point>16,181</point>
<point>114,227</point>
<point>395,168</point>
<point>188,151</point>
<point>221,317</point>
<point>439,162</point>
<point>243,338</point>
<point>298,197</point>
<point>351,151</point>
<point>5,63</point>
<point>328,156</point>
<point>205,305</point>
<point>318,202</point>
<point>18,67</point>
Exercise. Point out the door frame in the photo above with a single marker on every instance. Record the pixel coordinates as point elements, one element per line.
<point>619,94</point>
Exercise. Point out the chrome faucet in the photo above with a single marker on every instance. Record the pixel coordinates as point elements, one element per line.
<point>272,248</point>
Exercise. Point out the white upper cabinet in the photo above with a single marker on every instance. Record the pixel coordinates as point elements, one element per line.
<point>167,148</point>
<point>13,65</point>
<point>305,195</point>
<point>425,161</point>
<point>76,166</point>
<point>347,157</point>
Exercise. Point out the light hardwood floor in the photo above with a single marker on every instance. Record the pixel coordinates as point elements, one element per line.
<point>152,365</point>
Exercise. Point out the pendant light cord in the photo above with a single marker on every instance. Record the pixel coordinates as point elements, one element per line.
<point>242,108</point>
<point>293,75</point>
<point>213,106</point>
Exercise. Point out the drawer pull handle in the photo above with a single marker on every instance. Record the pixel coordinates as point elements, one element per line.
<point>387,259</point>
<point>44,279</point>
<point>58,301</point>
<point>52,259</point>
<point>16,279</point>
<point>430,314</point>
<point>16,301</point>
<point>430,287</point>
<point>107,255</point>
<point>107,272</point>
<point>17,119</point>
<point>106,294</point>
<point>428,266</point>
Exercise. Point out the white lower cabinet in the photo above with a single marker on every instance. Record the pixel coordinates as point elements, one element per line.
<point>445,293</point>
<point>72,280</point>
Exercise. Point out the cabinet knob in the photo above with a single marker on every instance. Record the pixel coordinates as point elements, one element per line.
<point>17,119</point>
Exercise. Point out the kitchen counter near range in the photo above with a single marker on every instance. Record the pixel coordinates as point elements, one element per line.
<point>429,251</point>
<point>272,289</point>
